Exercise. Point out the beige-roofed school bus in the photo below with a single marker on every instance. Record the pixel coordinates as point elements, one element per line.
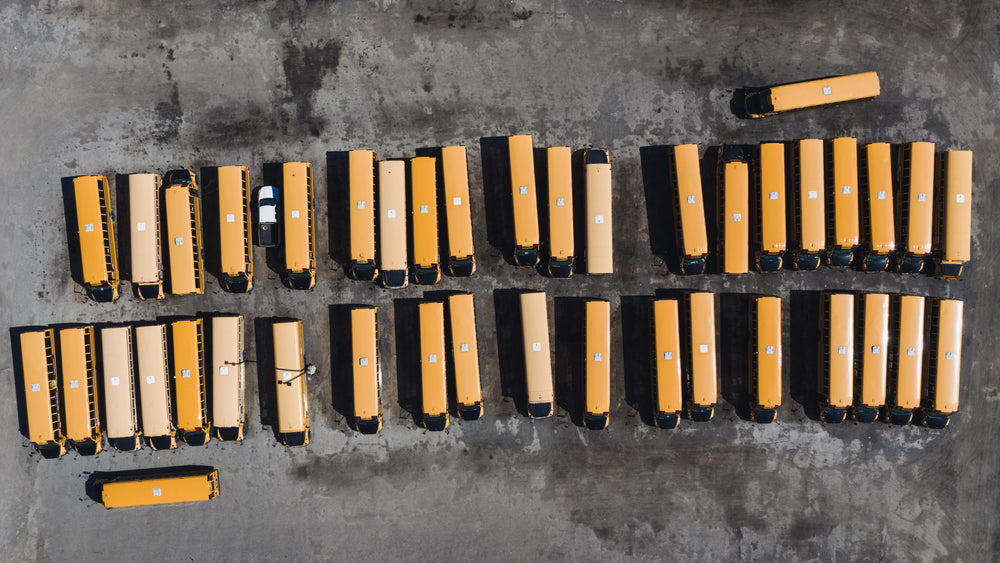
<point>121,419</point>
<point>144,235</point>
<point>187,346</point>
<point>236,242</point>
<point>689,209</point>
<point>600,249</point>
<point>184,252</point>
<point>836,373</point>
<point>906,367</point>
<point>41,392</point>
<point>96,235</point>
<point>458,211</point>
<point>525,202</point>
<point>880,230</point>
<point>915,206</point>
<point>597,364</point>
<point>560,181</point>
<point>954,226</point>
<point>392,223</point>
<point>298,218</point>
<point>290,373</point>
<point>734,211</point>
<point>424,208</point>
<point>944,362</point>
<point>809,209</point>
<point>78,378</point>
<point>844,232</point>
<point>537,355</point>
<point>367,370</point>
<point>169,487</point>
<point>465,356</point>
<point>361,213</point>
<point>154,387</point>
<point>873,312</point>
<point>228,377</point>
<point>822,91</point>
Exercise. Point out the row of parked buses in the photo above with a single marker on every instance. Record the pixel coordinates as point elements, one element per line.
<point>812,200</point>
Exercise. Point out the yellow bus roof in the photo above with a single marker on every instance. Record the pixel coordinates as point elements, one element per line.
<point>392,215</point>
<point>423,176</point>
<point>910,351</point>
<point>433,382</point>
<point>768,317</point>
<point>689,200</point>
<point>560,179</point>
<point>600,255</point>
<point>840,323</point>
<point>91,194</point>
<point>187,340</point>
<point>537,357</point>
<point>811,196</point>
<point>825,91</point>
<point>465,351</point>
<point>289,373</point>
<point>234,221</point>
<point>183,240</point>
<point>876,349</point>
<point>367,373</point>
<point>154,390</point>
<point>228,374</point>
<point>704,387</point>
<point>79,384</point>
<point>881,227</point>
<point>598,356</point>
<point>735,220</point>
<point>118,375</point>
<point>38,364</point>
<point>772,198</point>
<point>522,186</point>
<point>948,355</point>
<point>160,489</point>
<point>920,200</point>
<point>846,231</point>
<point>957,192</point>
<point>457,207</point>
<point>361,183</point>
<point>667,373</point>
<point>144,227</point>
<point>297,214</point>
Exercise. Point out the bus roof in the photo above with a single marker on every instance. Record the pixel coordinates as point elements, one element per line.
<point>735,218</point>
<point>367,373</point>
<point>38,363</point>
<point>160,489</point>
<point>154,390</point>
<point>234,221</point>
<point>78,380</point>
<point>772,198</point>
<point>825,91</point>
<point>458,210</point>
<point>297,215</point>
<point>768,352</point>
<point>704,387</point>
<point>392,214</point>
<point>361,183</point>
<point>689,200</point>
<point>948,355</point>
<point>522,181</point>
<point>881,228</point>
<point>289,372</point>
<point>920,196</point>
<point>840,324</point>
<point>597,357</point>
<point>600,250</point>
<point>187,341</point>
<point>537,357</point>
<point>144,228</point>
<point>844,176</point>
<point>92,207</point>
<point>957,193</point>
<point>433,380</point>
<point>811,195</point>
<point>876,349</point>
<point>424,209</point>
<point>228,372</point>
<point>560,181</point>
<point>910,351</point>
<point>119,393</point>
<point>182,243</point>
<point>465,351</point>
<point>668,356</point>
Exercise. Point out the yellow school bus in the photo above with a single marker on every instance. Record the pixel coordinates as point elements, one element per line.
<point>810,93</point>
<point>184,252</point>
<point>41,392</point>
<point>873,311</point>
<point>765,358</point>
<point>433,373</point>
<point>560,181</point>
<point>187,340</point>
<point>361,213</point>
<point>522,189</point>
<point>809,209</point>
<point>228,377</point>
<point>465,356</point>
<point>944,363</point>
<point>906,361</point>
<point>423,200</point>
<point>954,189</point>
<point>701,336</point>
<point>769,195</point>
<point>880,230</point>
<point>600,255</point>
<point>154,389</point>
<point>458,211</point>
<point>367,370</point>
<point>96,235</point>
<point>78,378</point>
<point>147,489</point>
<point>734,207</point>
<point>842,187</point>
<point>392,223</point>
<point>290,373</point>
<point>236,242</point>
<point>836,373</point>
<point>689,209</point>
<point>668,401</point>
<point>144,231</point>
<point>299,220</point>
<point>597,364</point>
<point>121,420</point>
<point>537,356</point>
<point>915,206</point>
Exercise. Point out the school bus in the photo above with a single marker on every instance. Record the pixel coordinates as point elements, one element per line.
<point>96,235</point>
<point>154,389</point>
<point>236,242</point>
<point>597,364</point>
<point>954,189</point>
<point>121,420</point>
<point>668,401</point>
<point>187,342</point>
<point>537,357</point>
<point>299,220</point>
<point>701,337</point>
<point>944,363</point>
<point>465,356</point>
<point>78,378</point>
<point>880,228</point>
<point>423,198</point>
<point>765,358</point>
<point>392,223</point>
<point>809,210</point>
<point>689,209</point>
<point>361,213</point>
<point>525,204</point>
<point>560,180</point>
<point>147,489</point>
<point>458,211</point>
<point>906,360</point>
<point>769,195</point>
<point>734,206</point>
<point>433,378</point>
<point>367,370</point>
<point>836,373</point>
<point>290,373</point>
<point>915,206</point>
<point>873,311</point>
<point>842,203</point>
<point>823,91</point>
<point>41,392</point>
<point>144,239</point>
<point>184,252</point>
<point>600,255</point>
<point>228,377</point>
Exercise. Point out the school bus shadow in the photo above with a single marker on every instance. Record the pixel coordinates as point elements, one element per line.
<point>93,491</point>
<point>734,363</point>
<point>736,105</point>
<point>658,186</point>
<point>338,184</point>
<point>211,241</point>
<point>496,191</point>
<point>72,230</point>
<point>803,342</point>
<point>342,361</point>
<point>406,313</point>
<point>570,338</point>
<point>710,195</point>
<point>636,355</point>
<point>123,231</point>
<point>275,258</point>
<point>267,392</point>
<point>510,350</point>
